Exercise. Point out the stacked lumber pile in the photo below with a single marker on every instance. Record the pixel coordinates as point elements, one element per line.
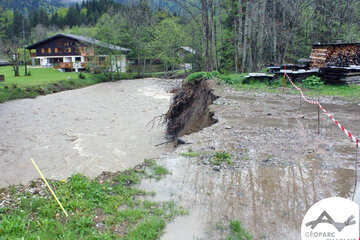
<point>318,56</point>
<point>340,75</point>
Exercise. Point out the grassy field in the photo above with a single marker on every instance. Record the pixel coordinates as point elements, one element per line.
<point>238,82</point>
<point>108,207</point>
<point>38,76</point>
<point>42,81</point>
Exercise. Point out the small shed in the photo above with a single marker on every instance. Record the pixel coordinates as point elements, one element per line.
<point>186,54</point>
<point>336,54</point>
<point>4,63</point>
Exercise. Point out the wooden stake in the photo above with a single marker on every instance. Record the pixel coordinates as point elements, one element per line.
<point>356,164</point>
<point>47,184</point>
<point>284,80</point>
<point>318,118</point>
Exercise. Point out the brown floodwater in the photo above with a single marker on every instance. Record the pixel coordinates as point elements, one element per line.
<point>90,130</point>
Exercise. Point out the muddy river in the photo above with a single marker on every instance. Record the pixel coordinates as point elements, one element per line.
<point>281,166</point>
<point>89,130</point>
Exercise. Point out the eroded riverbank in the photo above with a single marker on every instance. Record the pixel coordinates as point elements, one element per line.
<point>89,130</point>
<point>281,166</point>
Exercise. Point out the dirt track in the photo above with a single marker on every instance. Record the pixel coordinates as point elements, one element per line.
<point>282,166</point>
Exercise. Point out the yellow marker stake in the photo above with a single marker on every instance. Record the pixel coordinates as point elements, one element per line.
<point>47,184</point>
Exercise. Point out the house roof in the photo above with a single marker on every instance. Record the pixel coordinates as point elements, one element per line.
<point>186,49</point>
<point>83,39</point>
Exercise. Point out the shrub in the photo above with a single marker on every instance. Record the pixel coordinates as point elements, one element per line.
<point>313,82</point>
<point>198,76</point>
<point>277,82</point>
<point>81,75</point>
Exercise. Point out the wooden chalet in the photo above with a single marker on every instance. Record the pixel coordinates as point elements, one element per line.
<point>68,52</point>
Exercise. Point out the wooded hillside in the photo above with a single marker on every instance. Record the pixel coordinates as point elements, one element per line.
<point>227,35</point>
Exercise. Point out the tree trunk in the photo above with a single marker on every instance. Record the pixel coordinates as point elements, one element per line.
<point>243,63</point>
<point>274,32</point>
<point>236,49</point>
<point>240,32</point>
<point>260,56</point>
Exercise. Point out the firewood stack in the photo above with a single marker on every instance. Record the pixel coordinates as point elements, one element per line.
<point>344,58</point>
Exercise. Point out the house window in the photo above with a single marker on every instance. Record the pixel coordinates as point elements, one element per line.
<point>69,49</point>
<point>49,50</point>
<point>43,50</point>
<point>56,50</point>
<point>77,59</point>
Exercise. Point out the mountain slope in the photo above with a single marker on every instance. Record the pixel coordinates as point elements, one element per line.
<point>29,5</point>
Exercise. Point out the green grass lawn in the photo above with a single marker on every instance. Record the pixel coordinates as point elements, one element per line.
<point>42,81</point>
<point>38,76</point>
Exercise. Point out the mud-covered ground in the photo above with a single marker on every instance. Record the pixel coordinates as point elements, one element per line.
<point>282,166</point>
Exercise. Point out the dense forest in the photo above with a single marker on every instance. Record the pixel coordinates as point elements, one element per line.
<point>227,35</point>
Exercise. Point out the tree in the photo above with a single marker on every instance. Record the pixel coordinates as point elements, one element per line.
<point>168,36</point>
<point>10,49</point>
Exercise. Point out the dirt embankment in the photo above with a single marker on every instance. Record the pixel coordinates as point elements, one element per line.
<point>189,111</point>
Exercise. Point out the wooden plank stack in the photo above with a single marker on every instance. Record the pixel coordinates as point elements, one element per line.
<point>340,75</point>
<point>318,56</point>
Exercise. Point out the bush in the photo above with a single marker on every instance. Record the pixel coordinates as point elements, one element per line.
<point>313,82</point>
<point>278,82</point>
<point>81,76</point>
<point>199,76</point>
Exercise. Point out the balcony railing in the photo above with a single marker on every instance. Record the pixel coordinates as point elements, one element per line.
<point>65,65</point>
<point>70,65</point>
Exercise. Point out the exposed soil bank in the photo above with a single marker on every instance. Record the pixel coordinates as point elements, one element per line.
<point>89,130</point>
<point>281,166</point>
<point>189,111</point>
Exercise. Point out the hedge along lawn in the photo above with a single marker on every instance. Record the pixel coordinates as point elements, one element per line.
<point>42,81</point>
<point>107,207</point>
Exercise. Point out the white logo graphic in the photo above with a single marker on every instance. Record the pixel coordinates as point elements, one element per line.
<point>331,219</point>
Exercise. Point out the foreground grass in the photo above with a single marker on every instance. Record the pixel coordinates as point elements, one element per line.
<point>237,81</point>
<point>107,207</point>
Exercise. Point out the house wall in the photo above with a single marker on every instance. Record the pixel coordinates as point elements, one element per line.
<point>60,46</point>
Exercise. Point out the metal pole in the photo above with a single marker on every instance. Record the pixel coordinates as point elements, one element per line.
<point>318,117</point>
